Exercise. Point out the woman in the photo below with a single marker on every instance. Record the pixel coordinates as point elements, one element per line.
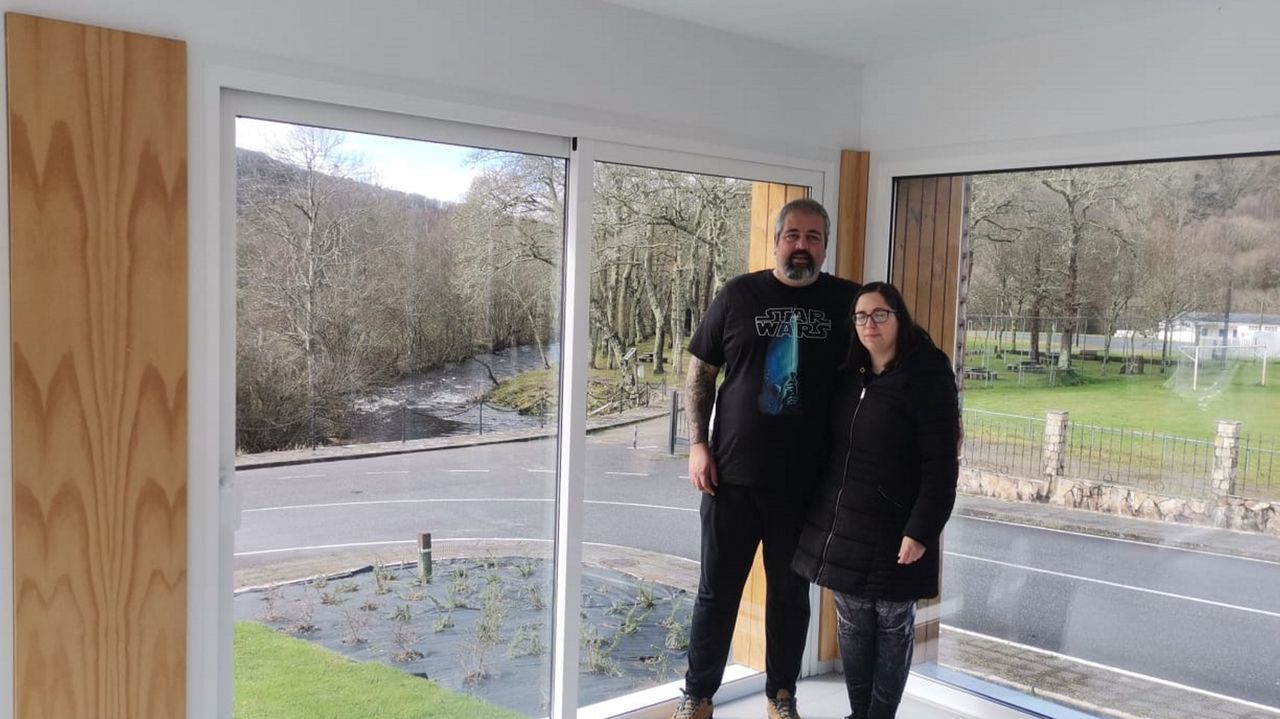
<point>871,534</point>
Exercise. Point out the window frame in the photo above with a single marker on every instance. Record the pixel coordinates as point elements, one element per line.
<point>213,502</point>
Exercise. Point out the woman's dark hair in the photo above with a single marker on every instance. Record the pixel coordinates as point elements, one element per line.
<point>911,336</point>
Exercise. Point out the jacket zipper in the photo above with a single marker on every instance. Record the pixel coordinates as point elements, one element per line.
<point>844,479</point>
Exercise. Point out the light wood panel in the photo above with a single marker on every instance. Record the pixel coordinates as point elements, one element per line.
<point>98,237</point>
<point>928,245</point>
<point>850,248</point>
<point>851,230</point>
<point>748,632</point>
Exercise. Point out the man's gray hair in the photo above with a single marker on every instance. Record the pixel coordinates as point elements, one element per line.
<point>807,205</point>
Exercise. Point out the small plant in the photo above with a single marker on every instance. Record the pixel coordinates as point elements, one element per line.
<point>346,587</point>
<point>677,635</point>
<point>473,658</point>
<point>370,606</point>
<point>645,595</point>
<point>382,577</point>
<point>597,656</point>
<point>631,621</point>
<point>618,608</point>
<point>534,592</point>
<point>488,561</point>
<point>460,586</point>
<point>404,639</point>
<point>660,665</point>
<point>270,608</point>
<point>306,610</point>
<point>401,613</point>
<point>525,569</point>
<point>489,626</point>
<point>452,600</point>
<point>527,642</point>
<point>354,628</point>
<point>331,599</point>
<point>443,622</point>
<point>319,583</point>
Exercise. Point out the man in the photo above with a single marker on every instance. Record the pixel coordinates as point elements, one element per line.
<point>779,334</point>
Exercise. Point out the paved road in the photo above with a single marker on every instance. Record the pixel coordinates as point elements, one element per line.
<point>1196,619</point>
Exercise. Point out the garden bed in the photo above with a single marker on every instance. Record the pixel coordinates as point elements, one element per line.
<point>482,626</point>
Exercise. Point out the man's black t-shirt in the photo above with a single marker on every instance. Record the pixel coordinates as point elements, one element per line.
<point>779,346</point>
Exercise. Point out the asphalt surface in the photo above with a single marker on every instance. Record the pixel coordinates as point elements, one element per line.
<point>1160,602</point>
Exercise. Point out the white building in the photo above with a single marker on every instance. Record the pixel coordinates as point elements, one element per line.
<point>1240,328</point>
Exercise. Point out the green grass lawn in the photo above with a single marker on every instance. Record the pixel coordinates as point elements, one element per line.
<point>280,677</point>
<point>1147,402</point>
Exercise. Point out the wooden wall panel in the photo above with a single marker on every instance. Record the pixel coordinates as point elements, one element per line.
<point>766,200</point>
<point>850,248</point>
<point>922,291</point>
<point>851,230</point>
<point>928,241</point>
<point>760,249</point>
<point>98,238</point>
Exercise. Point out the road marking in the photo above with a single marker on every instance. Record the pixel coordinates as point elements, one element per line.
<point>1104,582</point>
<point>325,546</point>
<point>637,504</point>
<point>629,474</point>
<point>395,501</point>
<point>1170,547</point>
<point>446,540</point>
<point>645,446</point>
<point>326,505</point>
<point>467,471</point>
<point>1110,668</point>
<point>541,471</point>
<point>298,476</point>
<point>390,471</point>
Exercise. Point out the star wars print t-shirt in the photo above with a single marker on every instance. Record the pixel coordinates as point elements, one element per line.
<point>779,347</point>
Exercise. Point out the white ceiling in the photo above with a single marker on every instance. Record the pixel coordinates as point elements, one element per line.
<point>870,31</point>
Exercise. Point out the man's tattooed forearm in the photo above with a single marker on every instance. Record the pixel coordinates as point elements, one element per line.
<point>700,385</point>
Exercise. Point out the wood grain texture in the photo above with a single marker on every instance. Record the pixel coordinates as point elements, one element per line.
<point>98,234</point>
<point>748,632</point>
<point>928,257</point>
<point>919,302</point>
<point>851,229</point>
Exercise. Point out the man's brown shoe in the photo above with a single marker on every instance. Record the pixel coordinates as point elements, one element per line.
<point>783,705</point>
<point>692,707</point>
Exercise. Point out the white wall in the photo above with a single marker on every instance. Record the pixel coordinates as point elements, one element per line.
<point>561,67</point>
<point>595,65</point>
<point>1190,83</point>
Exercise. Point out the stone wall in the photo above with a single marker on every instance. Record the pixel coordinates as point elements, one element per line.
<point>1224,511</point>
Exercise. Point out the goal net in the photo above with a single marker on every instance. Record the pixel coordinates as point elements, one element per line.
<point>1212,367</point>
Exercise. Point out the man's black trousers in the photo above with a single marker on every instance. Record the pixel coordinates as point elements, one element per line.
<point>734,521</point>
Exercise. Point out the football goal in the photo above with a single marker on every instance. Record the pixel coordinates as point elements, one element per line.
<point>1217,364</point>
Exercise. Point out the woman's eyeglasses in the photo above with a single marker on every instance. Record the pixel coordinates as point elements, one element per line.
<point>878,317</point>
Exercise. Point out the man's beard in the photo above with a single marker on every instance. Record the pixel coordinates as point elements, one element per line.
<point>797,272</point>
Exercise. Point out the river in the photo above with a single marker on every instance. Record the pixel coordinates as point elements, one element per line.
<point>445,401</point>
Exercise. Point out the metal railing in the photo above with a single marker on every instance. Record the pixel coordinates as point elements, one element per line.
<point>1258,474</point>
<point>1144,460</point>
<point>1166,464</point>
<point>1006,443</point>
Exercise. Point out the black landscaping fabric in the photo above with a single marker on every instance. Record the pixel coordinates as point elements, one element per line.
<point>482,626</point>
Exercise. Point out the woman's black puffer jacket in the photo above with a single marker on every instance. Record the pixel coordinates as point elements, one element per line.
<point>891,471</point>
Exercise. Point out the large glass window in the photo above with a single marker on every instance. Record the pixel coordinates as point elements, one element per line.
<point>397,511</point>
<point>665,242</point>
<point>398,328</point>
<point>1113,547</point>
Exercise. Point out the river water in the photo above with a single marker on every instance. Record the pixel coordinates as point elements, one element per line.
<point>446,401</point>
